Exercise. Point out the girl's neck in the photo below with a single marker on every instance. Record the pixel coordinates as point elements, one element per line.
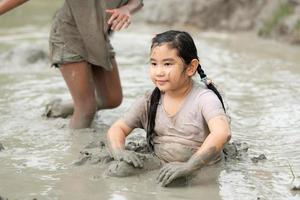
<point>180,92</point>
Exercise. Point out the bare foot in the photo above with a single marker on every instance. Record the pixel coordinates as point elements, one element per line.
<point>55,109</point>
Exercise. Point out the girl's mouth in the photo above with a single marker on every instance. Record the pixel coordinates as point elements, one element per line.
<point>161,82</point>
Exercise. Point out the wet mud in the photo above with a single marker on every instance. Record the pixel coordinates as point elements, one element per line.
<point>97,153</point>
<point>3,198</point>
<point>55,109</point>
<point>256,159</point>
<point>1,147</point>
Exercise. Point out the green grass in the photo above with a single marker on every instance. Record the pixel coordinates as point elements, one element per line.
<point>282,11</point>
<point>297,31</point>
<point>297,27</point>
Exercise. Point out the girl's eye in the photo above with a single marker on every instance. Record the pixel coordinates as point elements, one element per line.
<point>168,64</point>
<point>153,64</point>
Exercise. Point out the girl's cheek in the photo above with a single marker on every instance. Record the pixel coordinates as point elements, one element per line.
<point>169,72</point>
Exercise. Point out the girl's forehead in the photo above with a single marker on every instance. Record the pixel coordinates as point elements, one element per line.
<point>163,50</point>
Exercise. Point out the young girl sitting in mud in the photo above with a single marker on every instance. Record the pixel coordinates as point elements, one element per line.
<point>186,123</point>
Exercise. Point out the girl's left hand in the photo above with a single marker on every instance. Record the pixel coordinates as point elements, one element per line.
<point>172,171</point>
<point>120,18</point>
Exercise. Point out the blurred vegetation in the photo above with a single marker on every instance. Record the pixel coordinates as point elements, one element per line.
<point>297,33</point>
<point>284,10</point>
<point>297,27</point>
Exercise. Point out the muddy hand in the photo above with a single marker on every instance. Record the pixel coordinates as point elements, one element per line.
<point>172,171</point>
<point>129,157</point>
<point>120,18</point>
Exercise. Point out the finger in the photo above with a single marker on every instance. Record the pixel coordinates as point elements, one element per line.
<point>170,179</point>
<point>125,25</point>
<point>162,173</point>
<point>109,11</point>
<point>166,178</point>
<point>138,161</point>
<point>134,161</point>
<point>121,23</point>
<point>131,159</point>
<point>117,21</point>
<point>113,17</point>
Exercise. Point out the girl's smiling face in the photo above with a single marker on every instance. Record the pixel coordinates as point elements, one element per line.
<point>167,70</point>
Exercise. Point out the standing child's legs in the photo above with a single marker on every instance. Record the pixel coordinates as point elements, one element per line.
<point>79,79</point>
<point>106,85</point>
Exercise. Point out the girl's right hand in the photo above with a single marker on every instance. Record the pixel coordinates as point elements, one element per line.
<point>129,157</point>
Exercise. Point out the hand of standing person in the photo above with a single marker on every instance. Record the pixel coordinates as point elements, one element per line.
<point>7,5</point>
<point>120,18</point>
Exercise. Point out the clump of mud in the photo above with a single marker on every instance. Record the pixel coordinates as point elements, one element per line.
<point>235,150</point>
<point>295,183</point>
<point>238,151</point>
<point>96,152</point>
<point>1,148</point>
<point>256,159</point>
<point>2,198</point>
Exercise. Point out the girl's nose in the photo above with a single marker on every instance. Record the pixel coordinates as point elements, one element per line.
<point>160,71</point>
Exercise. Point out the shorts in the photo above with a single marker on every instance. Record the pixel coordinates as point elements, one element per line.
<point>61,54</point>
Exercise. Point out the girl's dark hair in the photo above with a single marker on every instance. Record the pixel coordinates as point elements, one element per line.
<point>186,49</point>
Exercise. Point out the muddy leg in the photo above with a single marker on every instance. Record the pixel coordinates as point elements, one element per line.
<point>79,79</point>
<point>108,93</point>
<point>108,87</point>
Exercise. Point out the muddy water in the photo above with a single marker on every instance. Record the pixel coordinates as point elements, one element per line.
<point>259,79</point>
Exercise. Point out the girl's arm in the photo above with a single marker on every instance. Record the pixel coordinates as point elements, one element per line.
<point>121,17</point>
<point>6,5</point>
<point>210,149</point>
<point>213,145</point>
<point>116,136</point>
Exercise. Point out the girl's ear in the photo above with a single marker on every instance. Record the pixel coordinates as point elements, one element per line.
<point>192,67</point>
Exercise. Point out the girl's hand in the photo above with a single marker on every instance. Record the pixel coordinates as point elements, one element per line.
<point>172,171</point>
<point>129,157</point>
<point>120,18</point>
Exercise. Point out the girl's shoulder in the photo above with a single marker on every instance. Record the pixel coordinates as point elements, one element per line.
<point>147,95</point>
<point>143,98</point>
<point>199,89</point>
<point>202,94</point>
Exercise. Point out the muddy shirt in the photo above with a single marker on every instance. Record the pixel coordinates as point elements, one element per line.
<point>82,24</point>
<point>111,4</point>
<point>178,137</point>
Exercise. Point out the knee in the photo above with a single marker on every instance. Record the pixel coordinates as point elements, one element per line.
<point>114,101</point>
